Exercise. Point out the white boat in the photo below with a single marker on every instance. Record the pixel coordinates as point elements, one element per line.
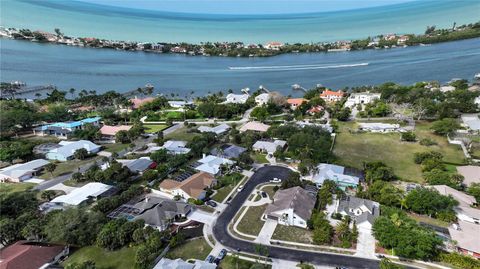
<point>477,76</point>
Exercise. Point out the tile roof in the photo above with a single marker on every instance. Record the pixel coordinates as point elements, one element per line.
<point>138,102</point>
<point>466,236</point>
<point>332,93</point>
<point>113,130</point>
<point>28,255</point>
<point>296,101</point>
<point>470,173</point>
<point>254,126</point>
<point>194,186</point>
<point>296,198</point>
<point>269,146</point>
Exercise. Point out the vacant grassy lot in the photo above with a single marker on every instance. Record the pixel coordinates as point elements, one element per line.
<point>119,259</point>
<point>193,249</point>
<point>182,134</point>
<point>251,223</point>
<point>6,188</point>
<point>352,149</point>
<point>154,128</point>
<point>292,234</point>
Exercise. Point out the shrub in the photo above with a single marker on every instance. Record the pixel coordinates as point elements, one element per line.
<point>409,137</point>
<point>428,142</point>
<point>458,260</point>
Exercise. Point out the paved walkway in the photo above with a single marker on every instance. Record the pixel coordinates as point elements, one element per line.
<point>267,231</point>
<point>260,202</point>
<point>200,216</point>
<point>365,243</point>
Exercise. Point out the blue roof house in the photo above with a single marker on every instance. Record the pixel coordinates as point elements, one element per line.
<point>64,129</point>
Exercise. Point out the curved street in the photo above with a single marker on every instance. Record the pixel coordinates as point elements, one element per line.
<point>262,175</point>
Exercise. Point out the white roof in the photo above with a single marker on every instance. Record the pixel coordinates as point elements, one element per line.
<point>69,147</point>
<point>472,121</point>
<point>333,172</point>
<point>466,236</point>
<point>219,129</point>
<point>268,146</point>
<point>262,98</point>
<point>254,126</point>
<point>176,147</point>
<point>378,126</point>
<point>179,103</point>
<point>463,198</point>
<point>165,263</point>
<point>233,98</point>
<point>19,170</point>
<point>447,88</point>
<point>211,164</point>
<point>77,196</point>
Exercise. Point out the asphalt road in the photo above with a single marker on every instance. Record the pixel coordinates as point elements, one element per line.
<point>263,175</point>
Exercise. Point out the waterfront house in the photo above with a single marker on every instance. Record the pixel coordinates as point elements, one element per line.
<point>447,88</point>
<point>332,96</point>
<point>470,173</point>
<point>262,98</point>
<point>179,104</point>
<point>218,130</point>
<point>378,127</point>
<point>22,171</point>
<point>254,126</point>
<point>362,211</point>
<point>176,147</point>
<point>193,187</point>
<point>274,45</point>
<point>315,109</point>
<point>233,98</point>
<point>67,149</point>
<point>211,164</point>
<point>291,207</point>
<point>361,98</point>
<point>63,130</point>
<point>296,102</point>
<point>109,132</point>
<point>79,196</point>
<point>269,147</point>
<point>228,151</point>
<point>31,255</point>
<point>335,173</point>
<point>465,234</point>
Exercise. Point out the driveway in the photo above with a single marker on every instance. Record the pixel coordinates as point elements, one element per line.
<point>366,243</point>
<point>267,231</point>
<point>200,216</point>
<point>62,187</point>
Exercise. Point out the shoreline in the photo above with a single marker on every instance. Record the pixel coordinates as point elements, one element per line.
<point>239,49</point>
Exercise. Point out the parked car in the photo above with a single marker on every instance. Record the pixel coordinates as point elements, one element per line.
<point>211,203</point>
<point>240,188</point>
<point>275,180</point>
<point>210,259</point>
<point>222,254</point>
<point>264,194</point>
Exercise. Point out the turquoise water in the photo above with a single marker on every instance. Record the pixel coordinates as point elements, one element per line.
<point>86,20</point>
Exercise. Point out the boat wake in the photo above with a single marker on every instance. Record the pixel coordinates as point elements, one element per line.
<point>295,67</point>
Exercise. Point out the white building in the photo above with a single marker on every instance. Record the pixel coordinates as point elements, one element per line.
<point>179,104</point>
<point>471,121</point>
<point>219,129</point>
<point>335,173</point>
<point>22,171</point>
<point>269,147</point>
<point>68,148</point>
<point>378,127</point>
<point>291,207</point>
<point>165,263</point>
<point>262,98</point>
<point>233,98</point>
<point>91,191</point>
<point>211,164</point>
<point>361,98</point>
<point>176,147</point>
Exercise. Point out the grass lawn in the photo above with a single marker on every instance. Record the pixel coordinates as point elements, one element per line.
<point>259,157</point>
<point>154,128</point>
<point>269,190</point>
<point>230,262</point>
<point>229,182</point>
<point>182,134</point>
<point>353,149</point>
<point>6,188</point>
<point>222,193</point>
<point>193,249</point>
<point>68,167</point>
<point>292,234</point>
<point>119,259</point>
<point>116,147</point>
<point>251,223</point>
<point>428,220</point>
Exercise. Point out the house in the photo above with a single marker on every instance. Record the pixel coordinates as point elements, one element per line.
<point>81,195</point>
<point>470,173</point>
<point>110,132</point>
<point>22,171</point>
<point>179,104</point>
<point>335,173</point>
<point>315,109</point>
<point>165,263</point>
<point>296,102</point>
<point>274,45</point>
<point>193,187</point>
<point>462,198</point>
<point>254,126</point>
<point>332,96</point>
<point>468,214</point>
<point>228,151</point>
<point>327,127</point>
<point>361,98</point>
<point>63,130</point>
<point>291,207</point>
<point>211,164</point>
<point>447,89</point>
<point>67,149</point>
<point>176,147</point>
<point>218,130</point>
<point>378,127</point>
<point>362,211</point>
<point>139,165</point>
<point>262,99</point>
<point>138,102</point>
<point>465,235</point>
<point>233,98</point>
<point>158,212</point>
<point>471,121</point>
<point>269,147</point>
<point>31,255</point>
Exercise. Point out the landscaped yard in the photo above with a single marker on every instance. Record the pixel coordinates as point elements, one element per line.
<point>192,249</point>
<point>14,187</point>
<point>292,234</point>
<point>259,157</point>
<point>154,128</point>
<point>230,262</point>
<point>182,134</point>
<point>68,167</point>
<point>251,223</point>
<point>229,183</point>
<point>222,193</point>
<point>269,190</point>
<point>119,259</point>
<point>353,149</point>
<point>115,147</point>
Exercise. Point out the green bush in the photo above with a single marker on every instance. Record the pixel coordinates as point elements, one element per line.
<point>458,260</point>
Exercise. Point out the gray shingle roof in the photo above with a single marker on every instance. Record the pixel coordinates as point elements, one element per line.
<point>297,198</point>
<point>350,203</point>
<point>158,212</point>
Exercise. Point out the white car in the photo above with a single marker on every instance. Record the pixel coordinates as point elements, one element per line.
<point>240,188</point>
<point>275,180</point>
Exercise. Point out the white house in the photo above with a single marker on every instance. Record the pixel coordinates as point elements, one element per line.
<point>211,164</point>
<point>179,104</point>
<point>262,98</point>
<point>269,147</point>
<point>362,211</point>
<point>335,173</point>
<point>92,190</point>
<point>165,263</point>
<point>471,121</point>
<point>361,98</point>
<point>68,148</point>
<point>233,98</point>
<point>447,88</point>
<point>22,171</point>
<point>378,127</point>
<point>176,147</point>
<point>468,214</point>
<point>291,207</point>
<point>219,129</point>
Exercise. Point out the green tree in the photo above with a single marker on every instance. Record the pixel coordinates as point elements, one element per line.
<point>409,136</point>
<point>445,126</point>
<point>48,195</point>
<point>80,154</point>
<point>387,264</point>
<point>50,168</point>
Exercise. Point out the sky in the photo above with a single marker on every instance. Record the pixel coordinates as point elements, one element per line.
<point>247,6</point>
